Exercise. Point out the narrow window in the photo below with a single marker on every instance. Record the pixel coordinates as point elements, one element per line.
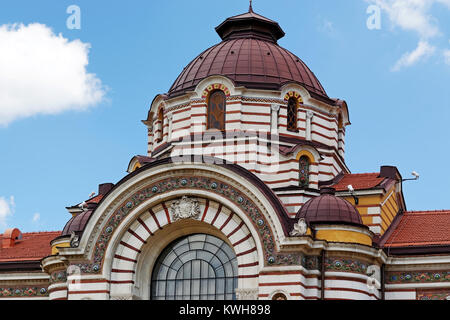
<point>304,165</point>
<point>216,110</point>
<point>160,125</point>
<point>292,115</point>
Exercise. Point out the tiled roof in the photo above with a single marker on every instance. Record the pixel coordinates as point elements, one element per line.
<point>95,199</point>
<point>361,181</point>
<point>33,246</point>
<point>421,228</point>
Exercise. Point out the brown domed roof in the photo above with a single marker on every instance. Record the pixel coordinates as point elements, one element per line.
<point>327,208</point>
<point>250,56</point>
<point>77,223</point>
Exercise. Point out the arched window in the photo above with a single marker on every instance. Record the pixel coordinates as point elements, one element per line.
<point>160,125</point>
<point>292,118</point>
<point>216,110</point>
<point>279,296</point>
<point>304,165</point>
<point>197,267</point>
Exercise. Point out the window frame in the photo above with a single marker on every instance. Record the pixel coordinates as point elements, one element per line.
<point>308,174</point>
<point>295,114</point>
<point>208,110</point>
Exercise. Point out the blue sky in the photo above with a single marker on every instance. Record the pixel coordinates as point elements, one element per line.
<point>395,80</point>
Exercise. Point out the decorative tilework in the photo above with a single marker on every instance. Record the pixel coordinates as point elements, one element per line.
<point>345,265</point>
<point>201,183</point>
<point>24,291</point>
<point>216,86</point>
<point>293,94</point>
<point>418,277</point>
<point>443,294</point>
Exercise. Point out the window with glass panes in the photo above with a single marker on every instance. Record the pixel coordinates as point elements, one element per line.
<point>196,267</point>
<point>292,119</point>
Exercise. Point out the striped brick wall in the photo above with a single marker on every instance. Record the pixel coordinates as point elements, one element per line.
<point>128,252</point>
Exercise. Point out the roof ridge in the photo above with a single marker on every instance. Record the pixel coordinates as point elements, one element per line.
<point>361,174</point>
<point>38,232</point>
<point>427,211</point>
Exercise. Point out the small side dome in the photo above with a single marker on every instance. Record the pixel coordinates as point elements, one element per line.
<point>329,209</point>
<point>78,222</point>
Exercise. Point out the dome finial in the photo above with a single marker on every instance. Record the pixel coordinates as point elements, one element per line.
<point>250,9</point>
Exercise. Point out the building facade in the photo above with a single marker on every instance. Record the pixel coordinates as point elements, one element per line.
<point>244,193</point>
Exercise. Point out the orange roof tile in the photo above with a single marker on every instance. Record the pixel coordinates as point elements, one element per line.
<point>95,199</point>
<point>360,181</point>
<point>33,246</point>
<point>421,228</point>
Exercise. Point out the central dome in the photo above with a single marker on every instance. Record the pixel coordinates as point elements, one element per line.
<point>250,56</point>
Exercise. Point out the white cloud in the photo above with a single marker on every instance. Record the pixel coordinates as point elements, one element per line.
<point>423,50</point>
<point>447,56</point>
<point>414,16</point>
<point>411,15</point>
<point>7,207</point>
<point>43,73</point>
<point>36,217</point>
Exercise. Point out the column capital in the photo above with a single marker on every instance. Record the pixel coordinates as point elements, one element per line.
<point>275,107</point>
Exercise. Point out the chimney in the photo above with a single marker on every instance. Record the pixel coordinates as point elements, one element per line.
<point>390,172</point>
<point>103,189</point>
<point>10,236</point>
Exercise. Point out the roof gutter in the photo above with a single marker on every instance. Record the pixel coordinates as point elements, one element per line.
<point>20,266</point>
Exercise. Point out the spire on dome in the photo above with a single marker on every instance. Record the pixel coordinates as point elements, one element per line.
<point>250,25</point>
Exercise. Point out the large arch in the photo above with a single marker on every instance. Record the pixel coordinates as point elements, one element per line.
<point>134,223</point>
<point>141,244</point>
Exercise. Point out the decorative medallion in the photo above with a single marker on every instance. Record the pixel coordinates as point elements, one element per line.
<point>300,228</point>
<point>311,262</point>
<point>74,240</point>
<point>186,208</point>
<point>58,277</point>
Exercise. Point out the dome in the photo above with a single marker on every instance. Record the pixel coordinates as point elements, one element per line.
<point>329,209</point>
<point>78,222</point>
<point>250,56</point>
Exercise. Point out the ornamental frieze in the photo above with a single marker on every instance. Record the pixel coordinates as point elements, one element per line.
<point>23,291</point>
<point>443,294</point>
<point>200,183</point>
<point>418,277</point>
<point>345,265</point>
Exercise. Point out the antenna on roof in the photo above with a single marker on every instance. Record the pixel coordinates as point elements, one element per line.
<point>416,177</point>
<point>352,192</point>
